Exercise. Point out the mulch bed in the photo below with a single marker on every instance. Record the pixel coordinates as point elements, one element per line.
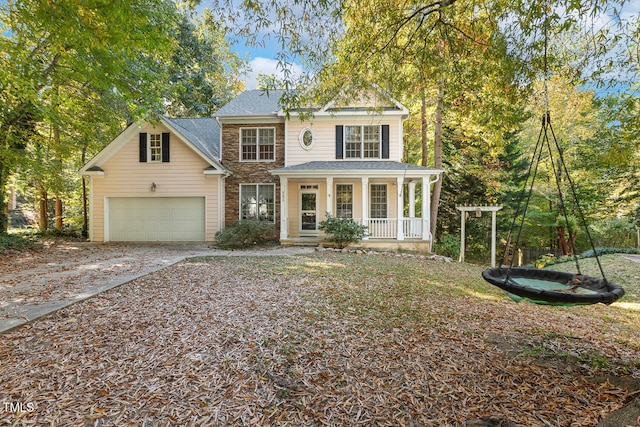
<point>243,341</point>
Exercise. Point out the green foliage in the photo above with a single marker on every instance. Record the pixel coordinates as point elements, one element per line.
<point>615,232</point>
<point>246,233</point>
<point>448,245</point>
<point>342,231</point>
<point>14,242</point>
<point>73,74</point>
<point>203,71</point>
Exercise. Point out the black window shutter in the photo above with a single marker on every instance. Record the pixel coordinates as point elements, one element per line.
<point>385,141</point>
<point>165,147</point>
<point>143,147</point>
<point>339,154</point>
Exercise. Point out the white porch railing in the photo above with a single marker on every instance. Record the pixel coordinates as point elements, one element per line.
<point>412,228</point>
<point>387,228</point>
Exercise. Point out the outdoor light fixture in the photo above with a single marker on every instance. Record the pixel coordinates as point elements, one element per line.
<point>153,186</point>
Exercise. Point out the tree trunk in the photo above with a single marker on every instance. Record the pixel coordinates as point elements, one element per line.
<point>423,128</point>
<point>562,242</point>
<point>4,219</point>
<point>85,214</point>
<point>58,214</point>
<point>437,157</point>
<point>43,219</point>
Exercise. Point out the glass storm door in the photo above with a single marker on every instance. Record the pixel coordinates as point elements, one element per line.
<point>308,211</point>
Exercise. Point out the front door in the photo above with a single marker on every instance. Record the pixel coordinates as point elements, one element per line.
<point>308,211</point>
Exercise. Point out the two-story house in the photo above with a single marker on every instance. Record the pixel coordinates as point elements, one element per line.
<point>186,179</point>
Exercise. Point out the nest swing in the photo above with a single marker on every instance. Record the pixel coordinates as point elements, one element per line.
<point>547,286</point>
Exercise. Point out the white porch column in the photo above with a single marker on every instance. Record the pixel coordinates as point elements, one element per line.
<point>329,209</point>
<point>412,199</point>
<point>365,204</point>
<point>400,208</point>
<point>284,208</point>
<point>426,209</point>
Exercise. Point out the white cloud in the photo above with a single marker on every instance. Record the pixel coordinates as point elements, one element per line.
<point>267,66</point>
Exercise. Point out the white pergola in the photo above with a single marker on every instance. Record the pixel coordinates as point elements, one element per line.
<point>478,210</point>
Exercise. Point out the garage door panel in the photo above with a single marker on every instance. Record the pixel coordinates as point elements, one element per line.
<point>162,219</point>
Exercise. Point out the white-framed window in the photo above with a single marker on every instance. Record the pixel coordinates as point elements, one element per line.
<point>257,201</point>
<point>378,197</point>
<point>257,144</point>
<point>306,138</point>
<point>344,200</point>
<point>154,147</point>
<point>362,141</point>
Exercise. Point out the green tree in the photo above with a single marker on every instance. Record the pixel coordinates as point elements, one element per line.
<point>73,75</point>
<point>203,71</point>
<point>55,52</point>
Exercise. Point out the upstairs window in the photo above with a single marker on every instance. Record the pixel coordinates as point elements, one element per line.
<point>257,144</point>
<point>362,142</point>
<point>154,147</point>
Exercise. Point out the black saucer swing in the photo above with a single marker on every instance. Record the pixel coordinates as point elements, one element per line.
<point>547,286</point>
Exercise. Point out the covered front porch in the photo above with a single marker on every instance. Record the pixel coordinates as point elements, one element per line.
<point>382,195</point>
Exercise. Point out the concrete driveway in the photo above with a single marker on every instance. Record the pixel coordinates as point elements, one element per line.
<point>39,282</point>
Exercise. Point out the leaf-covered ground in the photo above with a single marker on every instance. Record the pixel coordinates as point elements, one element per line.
<point>323,339</point>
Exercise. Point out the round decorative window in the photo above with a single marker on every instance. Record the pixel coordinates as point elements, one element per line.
<point>306,138</point>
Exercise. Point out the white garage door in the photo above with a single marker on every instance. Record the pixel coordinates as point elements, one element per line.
<point>157,219</point>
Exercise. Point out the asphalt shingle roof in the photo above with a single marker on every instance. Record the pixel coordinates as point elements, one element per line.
<point>376,165</point>
<point>202,132</point>
<point>252,102</point>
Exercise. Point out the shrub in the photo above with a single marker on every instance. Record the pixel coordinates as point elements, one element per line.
<point>342,231</point>
<point>448,245</point>
<point>245,233</point>
<point>14,241</point>
<point>614,232</point>
<point>544,260</point>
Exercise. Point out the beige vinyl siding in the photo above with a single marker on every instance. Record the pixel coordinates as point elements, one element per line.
<point>126,176</point>
<point>324,134</point>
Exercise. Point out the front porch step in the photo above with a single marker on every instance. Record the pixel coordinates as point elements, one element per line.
<point>300,242</point>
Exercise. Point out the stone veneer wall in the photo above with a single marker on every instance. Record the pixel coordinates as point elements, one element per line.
<point>248,172</point>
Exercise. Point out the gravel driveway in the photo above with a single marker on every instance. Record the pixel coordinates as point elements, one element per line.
<point>57,274</point>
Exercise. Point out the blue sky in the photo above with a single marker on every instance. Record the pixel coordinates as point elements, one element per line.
<point>262,61</point>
